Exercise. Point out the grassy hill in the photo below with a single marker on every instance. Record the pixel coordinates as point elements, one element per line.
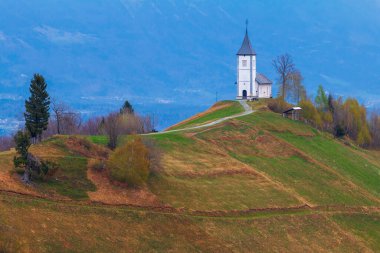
<point>257,183</point>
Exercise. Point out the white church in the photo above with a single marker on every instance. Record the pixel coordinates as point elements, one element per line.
<point>250,84</point>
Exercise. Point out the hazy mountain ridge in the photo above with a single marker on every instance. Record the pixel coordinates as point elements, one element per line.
<point>156,53</point>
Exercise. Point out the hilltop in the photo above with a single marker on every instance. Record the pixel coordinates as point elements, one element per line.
<point>258,182</point>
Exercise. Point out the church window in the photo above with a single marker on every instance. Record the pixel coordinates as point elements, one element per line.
<point>244,62</point>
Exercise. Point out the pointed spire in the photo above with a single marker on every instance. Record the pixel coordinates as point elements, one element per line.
<point>246,47</point>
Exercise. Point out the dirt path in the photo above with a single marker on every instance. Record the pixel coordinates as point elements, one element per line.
<point>247,110</point>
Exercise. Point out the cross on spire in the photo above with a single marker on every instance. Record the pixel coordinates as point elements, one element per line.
<point>246,25</point>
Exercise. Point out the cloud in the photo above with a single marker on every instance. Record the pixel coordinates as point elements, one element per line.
<point>58,36</point>
<point>4,96</point>
<point>164,101</point>
<point>336,81</point>
<point>131,5</point>
<point>227,15</point>
<point>372,103</point>
<point>102,98</point>
<point>195,7</point>
<point>9,125</point>
<point>188,91</point>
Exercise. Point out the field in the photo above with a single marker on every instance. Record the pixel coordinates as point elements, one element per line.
<point>258,183</point>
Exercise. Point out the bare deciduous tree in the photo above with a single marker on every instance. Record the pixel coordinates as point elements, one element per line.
<point>58,109</point>
<point>113,128</point>
<point>284,67</point>
<point>92,126</point>
<point>64,120</point>
<point>296,90</point>
<point>374,125</point>
<point>71,123</point>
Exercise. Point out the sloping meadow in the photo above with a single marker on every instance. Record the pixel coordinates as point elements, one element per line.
<point>262,160</point>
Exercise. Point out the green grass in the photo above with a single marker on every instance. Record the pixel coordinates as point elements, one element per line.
<point>70,179</point>
<point>170,141</point>
<point>317,185</point>
<point>276,123</point>
<point>365,226</point>
<point>102,140</point>
<point>98,139</point>
<point>340,158</point>
<point>233,109</point>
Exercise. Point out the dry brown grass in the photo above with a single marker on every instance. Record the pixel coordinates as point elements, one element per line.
<point>10,181</point>
<point>47,149</point>
<point>109,193</point>
<point>85,148</point>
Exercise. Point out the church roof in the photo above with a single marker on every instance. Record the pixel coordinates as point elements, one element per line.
<point>261,79</point>
<point>246,47</point>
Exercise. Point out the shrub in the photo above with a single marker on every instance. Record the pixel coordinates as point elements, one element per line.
<point>310,114</point>
<point>22,141</point>
<point>130,163</point>
<point>278,105</point>
<point>97,165</point>
<point>155,155</point>
<point>339,131</point>
<point>22,145</point>
<point>19,162</point>
<point>364,136</point>
<point>40,170</point>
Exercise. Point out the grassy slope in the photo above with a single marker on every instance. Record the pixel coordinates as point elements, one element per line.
<point>227,108</point>
<point>257,161</point>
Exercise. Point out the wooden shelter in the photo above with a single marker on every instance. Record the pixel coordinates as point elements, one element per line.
<point>293,113</point>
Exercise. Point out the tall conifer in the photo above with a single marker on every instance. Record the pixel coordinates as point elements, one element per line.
<point>37,107</point>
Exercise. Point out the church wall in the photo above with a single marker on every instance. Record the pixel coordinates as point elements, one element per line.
<point>254,84</point>
<point>246,74</point>
<point>265,91</point>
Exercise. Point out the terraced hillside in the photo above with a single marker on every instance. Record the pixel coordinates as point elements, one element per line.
<point>256,183</point>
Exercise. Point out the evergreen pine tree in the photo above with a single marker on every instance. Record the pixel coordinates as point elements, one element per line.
<point>37,107</point>
<point>127,108</point>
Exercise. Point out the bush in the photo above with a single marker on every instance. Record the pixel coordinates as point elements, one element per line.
<point>339,131</point>
<point>310,114</point>
<point>22,141</point>
<point>155,155</point>
<point>130,163</point>
<point>97,165</point>
<point>19,162</point>
<point>41,170</point>
<point>278,105</point>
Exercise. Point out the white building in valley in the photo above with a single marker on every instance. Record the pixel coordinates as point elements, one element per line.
<point>250,84</point>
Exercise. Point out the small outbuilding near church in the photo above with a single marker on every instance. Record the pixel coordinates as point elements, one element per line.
<point>293,113</point>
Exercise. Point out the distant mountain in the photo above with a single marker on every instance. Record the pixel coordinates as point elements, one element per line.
<point>178,54</point>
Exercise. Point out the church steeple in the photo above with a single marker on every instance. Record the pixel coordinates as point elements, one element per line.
<point>246,47</point>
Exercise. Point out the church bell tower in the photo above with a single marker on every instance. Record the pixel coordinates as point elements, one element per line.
<point>246,70</point>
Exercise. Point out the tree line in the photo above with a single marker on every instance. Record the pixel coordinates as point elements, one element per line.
<point>45,117</point>
<point>337,115</point>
